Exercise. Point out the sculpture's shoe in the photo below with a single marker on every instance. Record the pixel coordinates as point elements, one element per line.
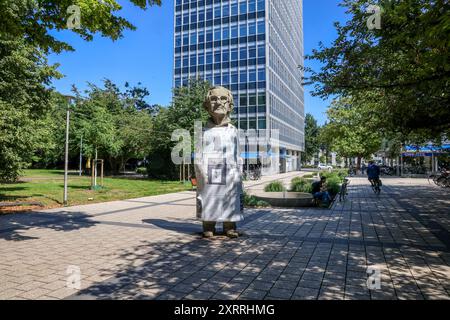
<point>208,234</point>
<point>232,234</point>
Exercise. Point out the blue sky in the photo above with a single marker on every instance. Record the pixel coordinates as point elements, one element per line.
<point>146,55</point>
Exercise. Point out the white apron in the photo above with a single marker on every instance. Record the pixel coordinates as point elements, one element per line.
<point>218,172</point>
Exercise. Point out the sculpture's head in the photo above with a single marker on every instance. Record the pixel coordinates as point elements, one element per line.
<point>219,104</point>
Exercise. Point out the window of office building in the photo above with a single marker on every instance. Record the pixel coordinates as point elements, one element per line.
<point>261,51</point>
<point>209,14</point>
<point>193,17</point>
<point>243,30</point>
<point>185,39</point>
<point>261,5</point>
<point>226,78</point>
<point>217,34</point>
<point>243,53</point>
<point>209,36</point>
<point>201,36</point>
<point>217,57</point>
<point>261,27</point>
<point>243,100</point>
<point>252,28</point>
<point>234,54</point>
<point>234,31</point>
<point>193,38</point>
<point>226,10</point>
<point>243,76</point>
<point>261,75</point>
<point>252,76</point>
<point>234,9</point>
<point>234,77</point>
<point>262,124</point>
<point>209,58</point>
<point>217,12</point>
<point>242,7</point>
<point>225,56</point>
<point>252,52</point>
<point>226,33</point>
<point>201,59</point>
<point>251,5</point>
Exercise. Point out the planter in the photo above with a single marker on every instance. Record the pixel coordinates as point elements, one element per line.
<point>286,199</point>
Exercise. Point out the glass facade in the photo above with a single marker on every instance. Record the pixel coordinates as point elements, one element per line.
<point>253,48</point>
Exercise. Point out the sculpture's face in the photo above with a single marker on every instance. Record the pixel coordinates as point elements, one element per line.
<point>219,103</point>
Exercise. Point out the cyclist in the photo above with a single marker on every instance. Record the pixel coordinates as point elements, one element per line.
<point>373,173</point>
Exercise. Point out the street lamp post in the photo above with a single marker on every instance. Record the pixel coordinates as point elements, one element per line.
<point>66,154</point>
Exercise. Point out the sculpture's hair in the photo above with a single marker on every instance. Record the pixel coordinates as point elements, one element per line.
<point>229,94</point>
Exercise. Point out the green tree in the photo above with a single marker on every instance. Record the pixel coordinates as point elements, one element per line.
<point>186,108</point>
<point>404,65</point>
<point>26,37</point>
<point>112,124</point>
<point>32,20</point>
<point>311,137</point>
<point>347,130</point>
<point>24,98</point>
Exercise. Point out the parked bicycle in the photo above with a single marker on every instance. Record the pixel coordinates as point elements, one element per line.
<point>343,192</point>
<point>252,175</point>
<point>387,171</point>
<point>441,179</point>
<point>351,171</point>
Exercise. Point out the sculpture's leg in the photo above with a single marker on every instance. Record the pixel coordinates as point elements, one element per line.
<point>209,228</point>
<point>230,229</point>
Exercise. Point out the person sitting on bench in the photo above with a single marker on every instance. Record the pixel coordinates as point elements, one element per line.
<point>320,191</point>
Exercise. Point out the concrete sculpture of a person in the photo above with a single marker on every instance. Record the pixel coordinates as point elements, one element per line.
<point>218,168</point>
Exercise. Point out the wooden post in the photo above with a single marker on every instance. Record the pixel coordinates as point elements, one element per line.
<point>92,173</point>
<point>184,172</point>
<point>101,171</point>
<point>95,168</point>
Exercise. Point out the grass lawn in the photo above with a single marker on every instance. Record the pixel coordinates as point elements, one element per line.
<point>47,186</point>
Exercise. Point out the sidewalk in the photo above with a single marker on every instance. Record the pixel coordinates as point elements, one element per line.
<point>151,248</point>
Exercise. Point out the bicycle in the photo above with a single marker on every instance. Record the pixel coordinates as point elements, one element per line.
<point>343,192</point>
<point>376,185</point>
<point>442,179</point>
<point>253,175</point>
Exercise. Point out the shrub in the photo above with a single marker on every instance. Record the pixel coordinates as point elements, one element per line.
<point>275,186</point>
<point>333,175</point>
<point>308,176</point>
<point>141,170</point>
<point>334,185</point>
<point>252,201</point>
<point>301,185</point>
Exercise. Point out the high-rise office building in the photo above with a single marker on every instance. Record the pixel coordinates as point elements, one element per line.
<point>255,49</point>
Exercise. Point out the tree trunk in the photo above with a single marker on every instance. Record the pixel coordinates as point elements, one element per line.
<point>358,164</point>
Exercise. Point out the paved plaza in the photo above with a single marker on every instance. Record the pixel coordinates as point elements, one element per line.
<point>151,248</point>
